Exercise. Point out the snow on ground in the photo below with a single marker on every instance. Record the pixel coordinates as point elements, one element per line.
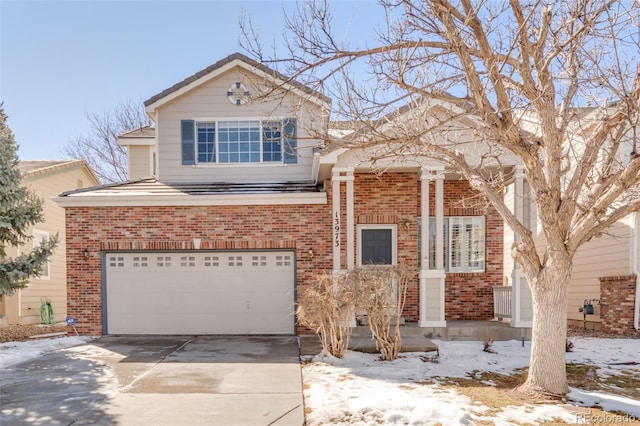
<point>15,352</point>
<point>361,390</point>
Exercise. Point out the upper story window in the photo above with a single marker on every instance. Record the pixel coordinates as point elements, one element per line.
<point>239,141</point>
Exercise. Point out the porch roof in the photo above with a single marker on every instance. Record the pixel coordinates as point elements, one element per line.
<point>150,191</point>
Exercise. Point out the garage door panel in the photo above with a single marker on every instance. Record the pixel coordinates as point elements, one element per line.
<point>200,293</point>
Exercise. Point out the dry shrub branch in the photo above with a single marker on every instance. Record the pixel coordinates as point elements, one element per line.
<point>382,294</point>
<point>326,307</point>
<point>328,304</point>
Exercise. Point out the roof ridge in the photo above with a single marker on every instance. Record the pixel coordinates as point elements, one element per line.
<point>234,56</point>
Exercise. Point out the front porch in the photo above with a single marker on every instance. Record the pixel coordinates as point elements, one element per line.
<point>418,339</point>
<point>429,220</point>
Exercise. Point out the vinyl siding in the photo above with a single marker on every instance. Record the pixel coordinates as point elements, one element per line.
<point>24,306</point>
<point>608,255</point>
<point>210,101</point>
<point>140,159</point>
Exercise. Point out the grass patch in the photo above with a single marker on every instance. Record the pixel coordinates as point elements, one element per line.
<point>628,385</point>
<point>493,390</point>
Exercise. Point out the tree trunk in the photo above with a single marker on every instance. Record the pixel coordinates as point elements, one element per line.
<point>547,371</point>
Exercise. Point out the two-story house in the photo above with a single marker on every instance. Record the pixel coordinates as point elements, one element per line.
<point>235,203</point>
<point>47,178</point>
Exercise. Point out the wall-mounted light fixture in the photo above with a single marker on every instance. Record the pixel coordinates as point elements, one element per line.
<point>407,224</point>
<point>310,252</point>
<point>86,254</point>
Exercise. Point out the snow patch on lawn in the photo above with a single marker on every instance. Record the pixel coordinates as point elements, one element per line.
<point>606,401</point>
<point>359,389</point>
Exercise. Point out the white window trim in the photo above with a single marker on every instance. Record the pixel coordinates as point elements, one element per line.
<point>463,220</point>
<point>394,241</point>
<point>38,236</point>
<point>217,163</point>
<point>448,251</point>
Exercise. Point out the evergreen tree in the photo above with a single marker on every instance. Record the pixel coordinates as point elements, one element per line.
<point>20,208</point>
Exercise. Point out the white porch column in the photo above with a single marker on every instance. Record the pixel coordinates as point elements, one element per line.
<point>439,176</point>
<point>425,178</point>
<point>350,219</point>
<point>335,204</point>
<point>431,280</point>
<point>343,174</point>
<point>521,303</point>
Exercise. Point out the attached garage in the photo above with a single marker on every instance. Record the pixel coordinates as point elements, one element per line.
<point>194,292</point>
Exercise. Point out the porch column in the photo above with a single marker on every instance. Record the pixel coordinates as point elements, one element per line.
<point>349,178</point>
<point>335,204</point>
<point>521,303</point>
<point>338,175</point>
<point>439,176</point>
<point>431,280</point>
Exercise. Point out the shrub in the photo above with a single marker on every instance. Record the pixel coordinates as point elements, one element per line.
<point>382,292</point>
<point>326,307</point>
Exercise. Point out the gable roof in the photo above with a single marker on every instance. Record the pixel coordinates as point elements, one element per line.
<point>34,168</point>
<point>142,132</point>
<point>221,66</point>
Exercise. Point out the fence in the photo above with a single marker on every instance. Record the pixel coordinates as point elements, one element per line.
<point>502,301</point>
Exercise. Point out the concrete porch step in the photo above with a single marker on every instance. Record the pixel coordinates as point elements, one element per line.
<point>418,339</point>
<point>362,341</point>
<point>476,330</point>
<point>310,344</point>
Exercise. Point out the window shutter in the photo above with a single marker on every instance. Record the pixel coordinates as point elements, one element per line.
<point>290,141</point>
<point>188,142</point>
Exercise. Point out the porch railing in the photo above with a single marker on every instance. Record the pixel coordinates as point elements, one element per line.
<point>502,301</point>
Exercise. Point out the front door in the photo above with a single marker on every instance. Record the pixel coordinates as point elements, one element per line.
<point>377,246</point>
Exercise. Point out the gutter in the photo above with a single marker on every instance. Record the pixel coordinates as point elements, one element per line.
<point>316,167</point>
<point>143,198</point>
<point>635,268</point>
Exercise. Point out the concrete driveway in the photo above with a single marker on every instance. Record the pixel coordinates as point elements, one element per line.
<point>159,380</point>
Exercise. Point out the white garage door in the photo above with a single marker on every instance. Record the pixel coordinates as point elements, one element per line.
<point>200,293</point>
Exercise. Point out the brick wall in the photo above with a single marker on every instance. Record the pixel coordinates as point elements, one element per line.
<point>617,302</point>
<point>393,198</point>
<point>169,228</point>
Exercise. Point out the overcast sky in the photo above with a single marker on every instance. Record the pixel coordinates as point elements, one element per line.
<point>60,60</point>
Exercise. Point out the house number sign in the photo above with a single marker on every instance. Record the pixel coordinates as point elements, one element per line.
<point>336,230</point>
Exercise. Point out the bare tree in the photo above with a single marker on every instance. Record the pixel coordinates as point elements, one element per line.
<point>100,146</point>
<point>553,85</point>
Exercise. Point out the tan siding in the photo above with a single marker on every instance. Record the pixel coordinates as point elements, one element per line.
<point>608,255</point>
<point>210,101</point>
<point>29,300</point>
<point>139,158</point>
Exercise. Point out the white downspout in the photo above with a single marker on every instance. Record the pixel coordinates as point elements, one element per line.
<point>635,232</point>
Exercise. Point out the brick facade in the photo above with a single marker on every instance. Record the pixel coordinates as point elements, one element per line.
<point>617,302</point>
<point>393,198</point>
<point>298,227</point>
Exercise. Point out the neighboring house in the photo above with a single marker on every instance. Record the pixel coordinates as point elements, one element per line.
<point>234,205</point>
<point>604,291</point>
<point>606,275</point>
<point>47,179</point>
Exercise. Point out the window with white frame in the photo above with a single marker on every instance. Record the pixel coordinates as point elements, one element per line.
<point>239,141</point>
<point>464,243</point>
<point>38,238</point>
